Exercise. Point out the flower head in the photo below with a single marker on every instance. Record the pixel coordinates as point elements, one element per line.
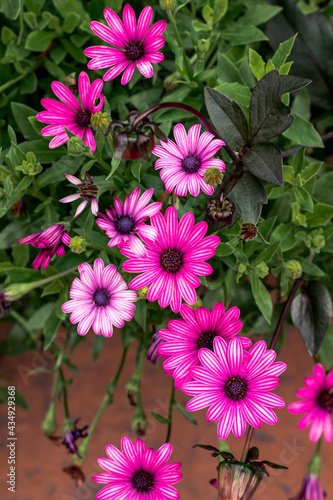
<point>185,163</point>
<point>173,261</point>
<point>185,337</point>
<point>311,489</point>
<point>50,241</point>
<point>70,113</point>
<point>100,299</point>
<point>88,192</point>
<point>152,353</point>
<point>124,222</point>
<point>138,472</point>
<point>317,404</point>
<point>136,44</point>
<point>236,387</point>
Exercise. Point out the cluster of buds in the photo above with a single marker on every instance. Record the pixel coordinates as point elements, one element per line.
<point>132,140</point>
<point>220,210</point>
<point>315,240</point>
<point>30,166</point>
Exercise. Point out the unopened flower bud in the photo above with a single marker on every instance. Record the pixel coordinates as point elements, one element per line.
<point>203,46</point>
<point>168,4</point>
<point>30,166</point>
<point>315,240</point>
<point>213,176</point>
<point>75,146</point>
<point>16,290</point>
<point>133,385</point>
<point>77,244</point>
<point>170,82</point>
<point>100,121</point>
<point>261,270</point>
<point>197,304</point>
<point>293,269</point>
<point>248,231</point>
<point>241,269</point>
<point>49,424</point>
<point>139,422</point>
<point>143,292</point>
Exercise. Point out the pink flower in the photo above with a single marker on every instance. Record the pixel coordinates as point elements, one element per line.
<point>173,261</point>
<point>311,489</point>
<point>69,113</point>
<point>185,337</point>
<point>184,164</point>
<point>136,44</point>
<point>50,241</point>
<point>100,299</point>
<point>152,353</point>
<point>126,220</point>
<point>88,192</point>
<point>317,404</point>
<point>138,472</point>
<point>236,387</point>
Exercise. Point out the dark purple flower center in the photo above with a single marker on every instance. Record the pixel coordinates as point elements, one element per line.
<point>83,118</point>
<point>325,400</point>
<point>134,51</point>
<point>142,481</point>
<point>124,224</point>
<point>101,297</point>
<point>171,261</point>
<point>191,164</point>
<point>88,191</point>
<point>235,388</point>
<point>206,340</point>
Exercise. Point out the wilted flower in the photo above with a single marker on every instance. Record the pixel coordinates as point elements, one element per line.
<point>72,435</point>
<point>311,489</point>
<point>137,45</point>
<point>88,192</point>
<point>76,474</point>
<point>220,210</point>
<point>152,353</point>
<point>248,231</point>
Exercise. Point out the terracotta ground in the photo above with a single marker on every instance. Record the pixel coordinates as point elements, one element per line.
<point>40,461</point>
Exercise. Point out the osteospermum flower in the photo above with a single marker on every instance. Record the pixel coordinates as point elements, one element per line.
<point>126,220</point>
<point>174,260</point>
<point>50,241</point>
<point>138,472</point>
<point>317,404</point>
<point>137,45</point>
<point>311,489</point>
<point>88,192</point>
<point>184,164</point>
<point>236,387</point>
<point>70,113</point>
<point>100,299</point>
<point>185,337</point>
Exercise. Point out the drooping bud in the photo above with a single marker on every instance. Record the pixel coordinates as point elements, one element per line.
<point>213,176</point>
<point>139,422</point>
<point>294,269</point>
<point>248,231</point>
<point>220,210</point>
<point>15,291</point>
<point>152,353</point>
<point>143,292</point>
<point>49,424</point>
<point>238,481</point>
<point>30,166</point>
<point>78,244</point>
<point>168,4</point>
<point>261,270</point>
<point>100,121</point>
<point>203,47</point>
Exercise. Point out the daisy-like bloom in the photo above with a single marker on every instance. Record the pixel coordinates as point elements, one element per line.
<point>185,337</point>
<point>70,113</point>
<point>236,387</point>
<point>317,404</point>
<point>173,260</point>
<point>50,241</point>
<point>311,489</point>
<point>136,44</point>
<point>88,192</point>
<point>126,220</point>
<point>184,164</point>
<point>138,472</point>
<point>100,299</point>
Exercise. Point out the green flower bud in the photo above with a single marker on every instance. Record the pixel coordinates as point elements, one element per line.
<point>77,244</point>
<point>76,146</point>
<point>261,270</point>
<point>29,166</point>
<point>49,424</point>
<point>100,121</point>
<point>197,304</point>
<point>203,46</point>
<point>139,421</point>
<point>82,450</point>
<point>170,82</point>
<point>298,218</point>
<point>16,290</point>
<point>133,385</point>
<point>241,269</point>
<point>168,4</point>
<point>293,269</point>
<point>315,240</point>
<point>213,176</point>
<point>68,425</point>
<point>143,292</point>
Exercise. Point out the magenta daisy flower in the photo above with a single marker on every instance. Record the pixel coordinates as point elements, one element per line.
<point>174,260</point>
<point>100,299</point>
<point>184,164</point>
<point>126,220</point>
<point>236,387</point>
<point>70,113</point>
<point>311,489</point>
<point>317,404</point>
<point>88,192</point>
<point>50,241</point>
<point>136,44</point>
<point>138,472</point>
<point>185,337</point>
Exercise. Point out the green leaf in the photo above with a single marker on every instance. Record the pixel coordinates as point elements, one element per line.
<point>23,275</point>
<point>19,398</point>
<point>63,297</point>
<point>52,288</point>
<point>311,268</point>
<point>236,92</point>
<point>39,317</point>
<point>265,162</point>
<point>310,171</point>
<point>66,6</point>
<point>38,41</point>
<point>303,198</point>
<point>10,8</point>
<point>322,213</point>
<point>326,348</point>
<point>51,326</point>
<point>227,117</point>
<point>135,169</point>
<point>267,254</point>
<point>220,7</point>
<point>269,117</point>
<point>282,53</point>
<point>20,255</point>
<point>259,14</point>
<point>226,70</point>
<point>140,313</point>
<point>285,233</point>
<point>21,114</point>
<point>97,346</point>
<point>262,297</point>
<point>8,185</point>
<point>159,418</point>
<point>248,195</point>
<point>257,64</point>
<point>242,35</point>
<point>303,132</point>
<point>311,314</point>
<point>34,5</point>
<point>56,173</point>
<point>187,414</point>
<point>71,21</point>
<point>23,184</point>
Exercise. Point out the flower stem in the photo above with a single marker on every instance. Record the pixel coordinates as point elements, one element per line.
<point>188,70</point>
<point>171,403</point>
<point>314,466</point>
<point>64,392</point>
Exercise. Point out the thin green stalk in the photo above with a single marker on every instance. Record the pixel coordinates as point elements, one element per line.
<point>188,69</point>
<point>14,80</point>
<point>171,403</point>
<point>64,393</point>
<point>21,321</point>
